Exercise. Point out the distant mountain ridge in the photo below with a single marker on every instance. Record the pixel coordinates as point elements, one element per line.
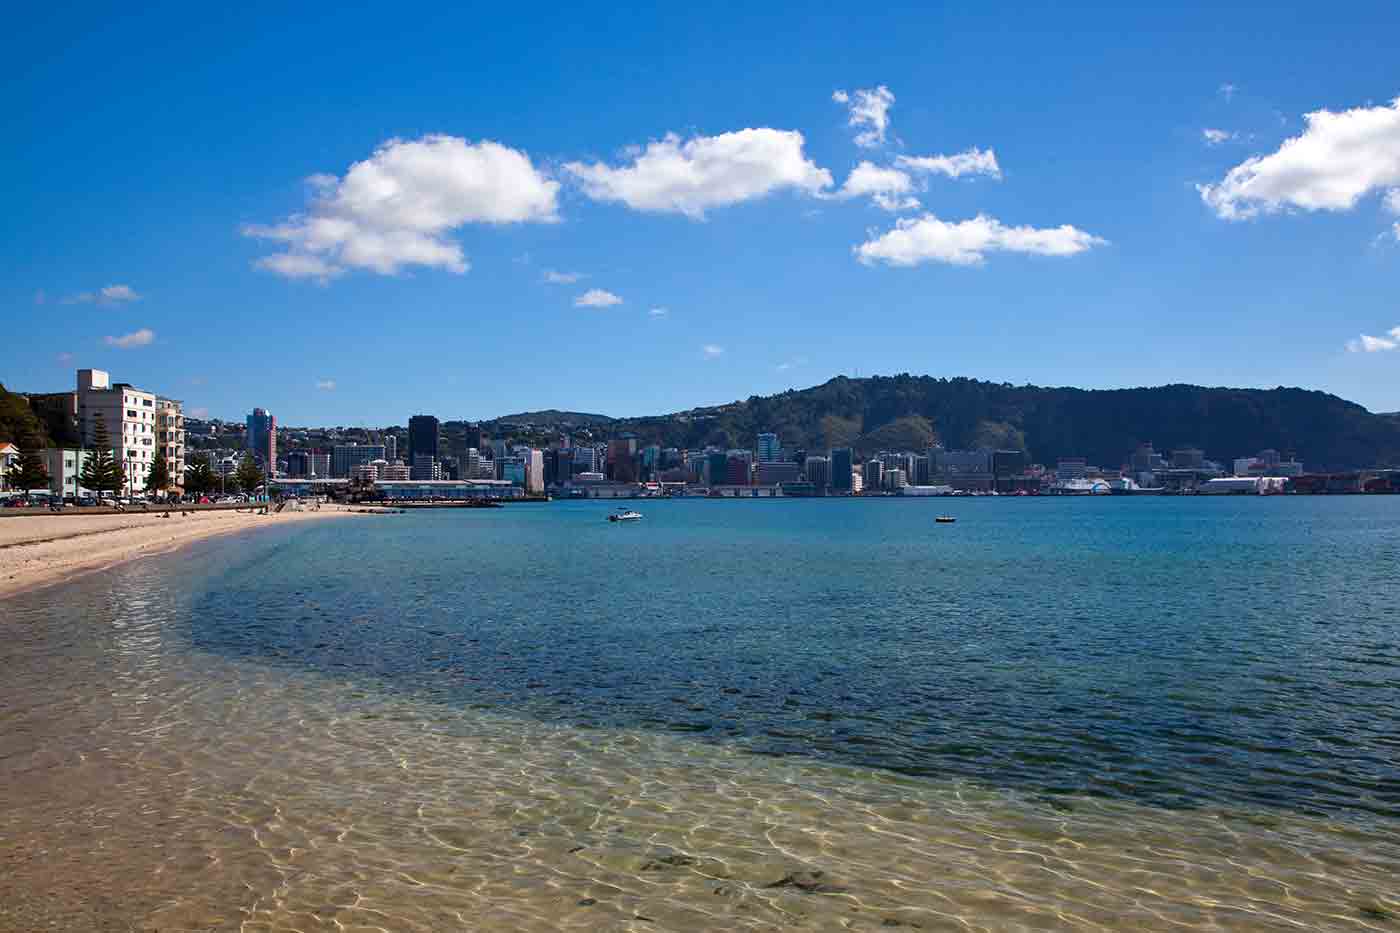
<point>1104,425</point>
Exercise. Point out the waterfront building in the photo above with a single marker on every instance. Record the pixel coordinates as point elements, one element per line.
<point>768,449</point>
<point>366,473</point>
<point>261,438</point>
<point>129,414</point>
<point>585,460</point>
<point>771,473</point>
<point>1188,458</point>
<point>397,472</point>
<point>9,456</point>
<point>513,471</point>
<point>923,472</point>
<point>738,469</point>
<point>425,467</point>
<point>857,483</point>
<point>1068,468</point>
<point>423,436</point>
<point>391,447</point>
<point>818,473</point>
<point>345,457</point>
<point>170,438</point>
<point>874,475</point>
<point>895,480</point>
<point>842,469</point>
<point>64,467</point>
<point>534,471</point>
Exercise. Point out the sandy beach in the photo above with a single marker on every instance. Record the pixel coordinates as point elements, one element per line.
<point>37,550</point>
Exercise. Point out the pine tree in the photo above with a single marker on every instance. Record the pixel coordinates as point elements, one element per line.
<point>158,477</point>
<point>249,475</point>
<point>102,472</point>
<point>29,472</point>
<point>199,476</point>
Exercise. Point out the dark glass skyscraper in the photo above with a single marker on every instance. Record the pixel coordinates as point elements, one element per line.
<point>422,437</point>
<point>841,469</point>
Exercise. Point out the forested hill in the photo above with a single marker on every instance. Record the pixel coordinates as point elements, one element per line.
<point>910,412</point>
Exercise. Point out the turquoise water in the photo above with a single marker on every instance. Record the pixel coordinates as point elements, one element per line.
<point>1175,652</point>
<point>1073,713</point>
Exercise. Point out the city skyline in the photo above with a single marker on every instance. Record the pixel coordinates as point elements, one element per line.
<point>1212,215</point>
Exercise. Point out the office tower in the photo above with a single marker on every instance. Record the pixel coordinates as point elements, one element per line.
<point>818,472</point>
<point>391,447</point>
<point>262,438</point>
<point>423,435</point>
<point>425,467</point>
<point>345,457</point>
<point>841,465</point>
<point>769,450</point>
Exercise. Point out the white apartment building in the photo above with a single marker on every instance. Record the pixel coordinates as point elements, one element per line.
<point>141,425</point>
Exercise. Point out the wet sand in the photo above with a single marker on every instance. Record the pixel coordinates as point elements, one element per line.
<point>37,550</point>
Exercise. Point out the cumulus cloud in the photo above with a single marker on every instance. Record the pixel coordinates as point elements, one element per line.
<point>561,278</point>
<point>869,113</point>
<point>1392,200</point>
<point>914,241</point>
<point>972,161</point>
<point>691,176</point>
<point>325,385</point>
<point>711,351</point>
<point>137,338</point>
<point>397,208</point>
<point>1338,159</point>
<point>597,298</point>
<point>1215,137</point>
<point>659,312</point>
<point>1368,344</point>
<point>888,188</point>
<point>106,295</point>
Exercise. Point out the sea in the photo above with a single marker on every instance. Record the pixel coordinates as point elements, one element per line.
<point>815,714</point>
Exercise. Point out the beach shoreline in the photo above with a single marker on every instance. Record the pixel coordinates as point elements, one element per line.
<point>37,551</point>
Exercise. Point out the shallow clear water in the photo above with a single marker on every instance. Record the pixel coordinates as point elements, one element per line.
<point>1055,713</point>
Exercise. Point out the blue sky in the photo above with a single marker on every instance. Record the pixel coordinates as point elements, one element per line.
<point>200,170</point>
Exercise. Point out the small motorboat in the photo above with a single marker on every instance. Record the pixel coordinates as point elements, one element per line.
<point>945,519</point>
<point>625,515</point>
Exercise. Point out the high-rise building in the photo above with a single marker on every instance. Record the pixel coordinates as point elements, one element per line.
<point>423,435</point>
<point>170,438</point>
<point>345,457</point>
<point>841,465</point>
<point>534,471</point>
<point>261,438</point>
<point>425,466</point>
<point>874,474</point>
<point>818,473</point>
<point>769,450</point>
<point>391,447</point>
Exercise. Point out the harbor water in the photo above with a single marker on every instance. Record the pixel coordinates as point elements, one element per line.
<point>1147,713</point>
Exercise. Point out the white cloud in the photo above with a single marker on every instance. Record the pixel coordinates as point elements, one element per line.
<point>1368,344</point>
<point>1215,137</point>
<point>785,365</point>
<point>561,278</point>
<point>659,312</point>
<point>972,161</point>
<point>1392,200</point>
<point>888,188</point>
<point>691,176</point>
<point>1228,91</point>
<point>325,385</point>
<point>200,412</point>
<point>597,298</point>
<point>106,295</point>
<point>397,207</point>
<point>711,351</point>
<point>64,358</point>
<point>137,338</point>
<point>870,113</point>
<point>1338,159</point>
<point>927,239</point>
